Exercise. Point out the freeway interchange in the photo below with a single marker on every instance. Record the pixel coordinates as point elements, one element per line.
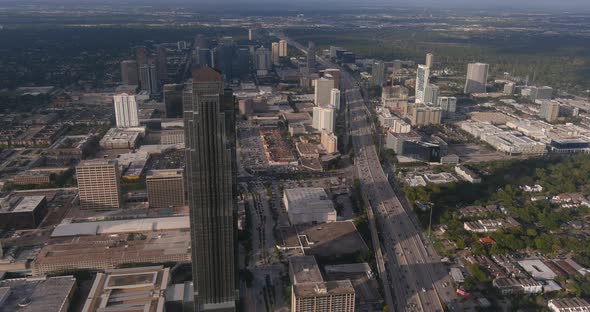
<point>412,275</point>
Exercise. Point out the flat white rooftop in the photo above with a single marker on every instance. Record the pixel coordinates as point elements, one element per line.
<point>121,226</point>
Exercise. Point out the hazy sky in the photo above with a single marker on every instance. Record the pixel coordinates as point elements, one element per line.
<point>559,5</point>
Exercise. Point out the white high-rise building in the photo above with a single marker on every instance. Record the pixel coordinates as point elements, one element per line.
<point>335,98</point>
<point>283,48</point>
<point>323,118</point>
<point>275,53</point>
<point>126,110</point>
<point>422,77</point>
<point>323,91</point>
<point>477,77</point>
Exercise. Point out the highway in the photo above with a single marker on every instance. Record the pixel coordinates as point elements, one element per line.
<point>411,272</point>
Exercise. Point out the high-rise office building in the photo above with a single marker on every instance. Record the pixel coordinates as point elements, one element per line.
<point>311,51</point>
<point>203,57</point>
<point>335,98</point>
<point>262,59</point>
<point>241,62</point>
<point>323,118</point>
<point>148,76</point>
<point>379,72</point>
<point>275,53</point>
<point>422,115</point>
<point>549,110</point>
<point>98,184</point>
<point>165,188</point>
<point>477,77</point>
<point>431,95</point>
<point>224,56</point>
<point>129,72</point>
<point>173,100</point>
<point>540,93</point>
<point>422,77</point>
<point>161,63</point>
<point>283,48</point>
<point>209,112</point>
<point>429,60</point>
<point>335,74</point>
<point>141,56</point>
<point>448,104</point>
<point>309,291</point>
<point>125,110</point>
<point>323,91</point>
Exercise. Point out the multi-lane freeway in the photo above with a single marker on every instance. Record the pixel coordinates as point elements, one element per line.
<point>411,272</point>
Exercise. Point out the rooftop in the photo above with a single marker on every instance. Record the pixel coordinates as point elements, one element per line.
<point>164,173</point>
<point>121,226</point>
<point>320,289</point>
<point>304,269</point>
<point>137,289</point>
<point>104,251</point>
<point>36,294</point>
<point>15,204</point>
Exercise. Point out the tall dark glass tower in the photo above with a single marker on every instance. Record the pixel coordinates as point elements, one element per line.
<point>209,112</point>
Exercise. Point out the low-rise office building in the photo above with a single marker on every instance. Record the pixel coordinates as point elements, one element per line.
<point>165,188</point>
<point>133,289</point>
<point>37,294</point>
<point>22,212</point>
<point>103,252</point>
<point>308,205</point>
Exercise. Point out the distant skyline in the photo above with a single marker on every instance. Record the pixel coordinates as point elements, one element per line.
<point>561,6</point>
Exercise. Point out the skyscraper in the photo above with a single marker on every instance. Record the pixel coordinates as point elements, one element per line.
<point>262,61</point>
<point>431,94</point>
<point>477,77</point>
<point>322,93</point>
<point>148,76</point>
<point>125,110</point>
<point>203,57</point>
<point>335,98</point>
<point>311,57</point>
<point>141,56</point>
<point>98,184</point>
<point>448,106</point>
<point>429,60</point>
<point>323,119</point>
<point>275,53</point>
<point>283,48</point>
<point>379,72</point>
<point>129,72</point>
<point>422,77</point>
<point>225,53</point>
<point>173,100</point>
<point>161,65</point>
<point>209,125</point>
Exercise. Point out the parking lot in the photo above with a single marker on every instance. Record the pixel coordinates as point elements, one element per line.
<point>250,149</point>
